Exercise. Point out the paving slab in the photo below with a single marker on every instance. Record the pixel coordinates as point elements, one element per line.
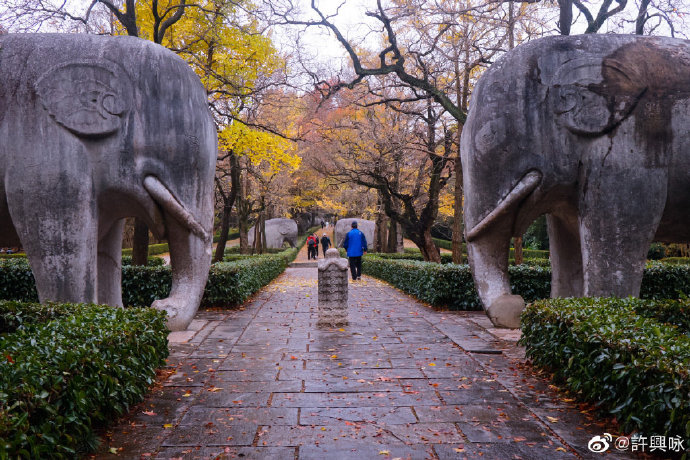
<point>401,380</point>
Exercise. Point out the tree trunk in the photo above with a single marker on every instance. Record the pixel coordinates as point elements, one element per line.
<point>400,247</point>
<point>263,233</point>
<point>228,202</point>
<point>243,226</point>
<point>392,243</point>
<point>140,245</point>
<point>517,248</point>
<point>224,231</point>
<point>458,229</point>
<point>425,243</point>
<point>566,16</point>
<point>380,239</point>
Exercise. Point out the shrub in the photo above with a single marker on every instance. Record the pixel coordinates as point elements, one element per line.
<point>154,249</point>
<point>142,285</point>
<point>17,281</point>
<point>632,365</point>
<point>656,251</point>
<point>451,285</point>
<point>150,262</point>
<point>19,255</point>
<point>676,260</point>
<point>229,283</point>
<point>67,369</point>
<point>445,244</point>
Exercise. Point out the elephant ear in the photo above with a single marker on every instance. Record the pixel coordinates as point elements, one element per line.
<point>592,96</point>
<point>89,98</point>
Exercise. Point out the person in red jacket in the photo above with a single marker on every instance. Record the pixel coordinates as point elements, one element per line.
<point>311,247</point>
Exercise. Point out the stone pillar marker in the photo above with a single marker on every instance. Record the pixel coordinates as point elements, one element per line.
<point>333,286</point>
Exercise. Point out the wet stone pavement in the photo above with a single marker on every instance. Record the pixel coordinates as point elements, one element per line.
<point>402,380</point>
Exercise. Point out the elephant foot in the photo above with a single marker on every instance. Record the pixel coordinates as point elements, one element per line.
<point>505,311</point>
<point>178,317</point>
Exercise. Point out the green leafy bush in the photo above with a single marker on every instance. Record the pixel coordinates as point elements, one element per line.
<point>451,285</point>
<point>676,260</point>
<point>19,255</point>
<point>17,281</point>
<point>154,249</point>
<point>656,251</point>
<point>445,244</point>
<point>142,285</point>
<point>68,369</point>
<point>229,283</point>
<point>150,262</point>
<point>633,366</point>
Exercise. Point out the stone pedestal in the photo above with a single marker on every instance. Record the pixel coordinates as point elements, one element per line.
<point>333,285</point>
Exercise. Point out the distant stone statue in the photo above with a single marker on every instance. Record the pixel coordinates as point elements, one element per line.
<point>333,286</point>
<point>93,130</point>
<point>594,132</point>
<point>368,227</point>
<point>278,232</point>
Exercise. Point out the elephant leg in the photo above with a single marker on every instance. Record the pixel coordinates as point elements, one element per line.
<point>110,265</point>
<point>566,256</point>
<point>619,214</point>
<point>55,215</point>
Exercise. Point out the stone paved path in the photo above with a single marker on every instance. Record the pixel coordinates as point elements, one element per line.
<point>400,381</point>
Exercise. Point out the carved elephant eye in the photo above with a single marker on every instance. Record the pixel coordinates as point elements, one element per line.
<point>567,98</point>
<point>89,98</point>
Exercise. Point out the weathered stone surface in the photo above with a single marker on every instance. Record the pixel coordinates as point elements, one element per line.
<point>592,131</point>
<point>93,130</point>
<point>368,227</point>
<point>333,289</point>
<point>278,231</point>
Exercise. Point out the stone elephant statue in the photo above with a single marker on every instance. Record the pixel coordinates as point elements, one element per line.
<point>92,130</point>
<point>278,232</point>
<point>342,226</point>
<point>592,131</point>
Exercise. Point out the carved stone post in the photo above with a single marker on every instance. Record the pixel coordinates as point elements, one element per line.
<point>333,287</point>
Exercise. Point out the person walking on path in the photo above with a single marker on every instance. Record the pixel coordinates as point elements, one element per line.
<point>355,243</point>
<point>316,245</point>
<point>311,241</point>
<point>325,243</point>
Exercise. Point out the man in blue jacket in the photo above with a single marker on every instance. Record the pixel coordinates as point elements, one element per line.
<point>355,243</point>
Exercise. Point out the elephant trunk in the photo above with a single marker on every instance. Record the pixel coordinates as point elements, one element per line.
<point>190,257</point>
<point>488,256</point>
<point>488,246</point>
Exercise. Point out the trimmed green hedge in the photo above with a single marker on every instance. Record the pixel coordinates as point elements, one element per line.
<point>451,285</point>
<point>152,261</point>
<point>676,260</point>
<point>66,369</point>
<point>445,244</point>
<point>628,356</point>
<point>229,283</point>
<point>154,249</point>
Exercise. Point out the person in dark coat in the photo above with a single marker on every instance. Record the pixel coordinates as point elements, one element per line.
<point>310,247</point>
<point>325,243</point>
<point>355,243</point>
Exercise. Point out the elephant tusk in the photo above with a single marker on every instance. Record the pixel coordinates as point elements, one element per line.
<point>169,203</point>
<point>527,184</point>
